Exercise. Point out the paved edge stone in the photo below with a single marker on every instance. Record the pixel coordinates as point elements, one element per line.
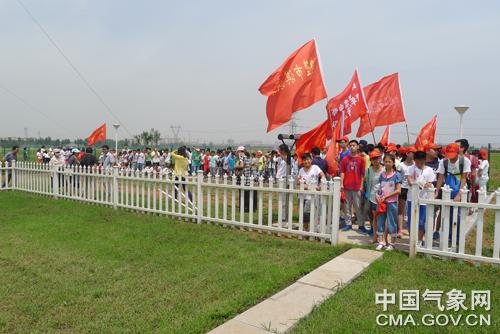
<point>284,309</point>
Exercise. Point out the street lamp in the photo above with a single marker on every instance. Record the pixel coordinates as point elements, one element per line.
<point>116,126</point>
<point>461,110</point>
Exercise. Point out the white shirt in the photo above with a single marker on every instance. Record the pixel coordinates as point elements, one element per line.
<point>454,168</point>
<point>140,158</point>
<point>484,167</point>
<point>311,176</point>
<point>281,169</point>
<point>420,177</point>
<point>403,169</point>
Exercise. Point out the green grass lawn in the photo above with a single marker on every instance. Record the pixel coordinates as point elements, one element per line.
<point>70,267</point>
<point>353,309</point>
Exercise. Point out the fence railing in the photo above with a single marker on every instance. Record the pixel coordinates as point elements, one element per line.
<point>276,206</point>
<point>456,220</point>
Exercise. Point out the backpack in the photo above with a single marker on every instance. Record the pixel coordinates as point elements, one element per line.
<point>450,179</point>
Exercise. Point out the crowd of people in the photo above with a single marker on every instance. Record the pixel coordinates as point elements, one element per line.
<point>375,179</point>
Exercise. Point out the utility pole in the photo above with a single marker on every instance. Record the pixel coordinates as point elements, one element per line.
<point>175,130</point>
<point>25,133</point>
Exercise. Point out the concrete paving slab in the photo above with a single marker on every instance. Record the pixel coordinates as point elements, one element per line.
<point>299,293</point>
<point>237,327</point>
<point>362,255</point>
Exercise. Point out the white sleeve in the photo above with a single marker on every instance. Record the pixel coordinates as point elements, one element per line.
<point>440,169</point>
<point>467,165</point>
<point>430,176</point>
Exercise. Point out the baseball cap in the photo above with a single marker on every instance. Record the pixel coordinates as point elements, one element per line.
<point>240,148</point>
<point>375,154</point>
<point>411,149</point>
<point>75,150</point>
<point>344,138</point>
<point>452,150</point>
<point>391,147</point>
<point>363,142</point>
<point>402,150</point>
<point>483,154</point>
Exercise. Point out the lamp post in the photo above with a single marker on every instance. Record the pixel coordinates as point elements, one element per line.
<point>116,126</point>
<point>461,110</point>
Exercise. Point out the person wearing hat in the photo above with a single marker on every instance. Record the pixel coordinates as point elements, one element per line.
<point>57,160</point>
<point>344,150</point>
<point>372,182</point>
<point>483,173</point>
<point>73,158</point>
<point>431,157</point>
<point>474,166</point>
<point>453,171</point>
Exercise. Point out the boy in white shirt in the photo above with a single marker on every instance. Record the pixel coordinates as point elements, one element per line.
<point>423,176</point>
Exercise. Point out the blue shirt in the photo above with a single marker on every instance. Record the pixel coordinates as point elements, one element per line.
<point>345,154</point>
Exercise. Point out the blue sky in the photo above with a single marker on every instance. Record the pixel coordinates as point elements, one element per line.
<point>198,64</point>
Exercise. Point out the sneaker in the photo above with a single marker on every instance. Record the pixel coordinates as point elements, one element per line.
<point>390,247</point>
<point>369,232</point>
<point>346,228</point>
<point>399,234</point>
<point>379,246</point>
<point>420,243</point>
<point>435,235</point>
<point>362,229</point>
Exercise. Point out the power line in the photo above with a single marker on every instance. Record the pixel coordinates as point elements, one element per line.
<point>75,69</point>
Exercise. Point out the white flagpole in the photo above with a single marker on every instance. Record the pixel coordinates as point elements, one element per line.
<point>403,104</point>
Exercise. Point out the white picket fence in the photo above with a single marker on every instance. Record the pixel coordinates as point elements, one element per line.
<point>454,230</point>
<point>279,204</point>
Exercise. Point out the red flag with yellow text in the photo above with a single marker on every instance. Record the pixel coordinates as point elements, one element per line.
<point>426,135</point>
<point>295,85</point>
<point>385,105</point>
<point>98,135</point>
<point>332,154</point>
<point>349,104</point>
<point>315,137</point>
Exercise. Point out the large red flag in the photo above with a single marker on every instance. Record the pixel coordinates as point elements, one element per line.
<point>385,106</point>
<point>295,85</point>
<point>332,154</point>
<point>426,135</point>
<point>350,104</point>
<point>315,137</point>
<point>385,137</point>
<point>98,135</point>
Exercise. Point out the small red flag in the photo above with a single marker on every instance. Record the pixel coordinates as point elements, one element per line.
<point>349,104</point>
<point>426,135</point>
<point>315,137</point>
<point>385,137</point>
<point>295,85</point>
<point>332,154</point>
<point>98,135</point>
<point>385,106</point>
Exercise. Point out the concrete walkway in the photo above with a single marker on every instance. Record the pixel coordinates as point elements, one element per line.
<point>282,311</point>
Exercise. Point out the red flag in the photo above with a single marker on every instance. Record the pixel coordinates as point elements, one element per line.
<point>426,135</point>
<point>350,103</point>
<point>332,153</point>
<point>385,106</point>
<point>385,137</point>
<point>315,137</point>
<point>98,135</point>
<point>295,85</point>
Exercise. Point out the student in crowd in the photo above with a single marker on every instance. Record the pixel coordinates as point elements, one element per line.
<point>310,174</point>
<point>352,173</point>
<point>344,150</point>
<point>453,171</point>
<point>407,153</point>
<point>372,188</point>
<point>423,176</point>
<point>88,159</point>
<point>390,188</point>
<point>319,161</point>
<point>472,176</point>
<point>483,171</point>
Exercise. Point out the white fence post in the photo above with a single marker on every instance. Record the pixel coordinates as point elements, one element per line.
<point>199,194</point>
<point>496,238</point>
<point>334,239</point>
<point>415,205</point>
<point>115,188</point>
<point>13,173</point>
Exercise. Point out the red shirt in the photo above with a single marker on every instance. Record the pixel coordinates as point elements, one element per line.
<point>353,168</point>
